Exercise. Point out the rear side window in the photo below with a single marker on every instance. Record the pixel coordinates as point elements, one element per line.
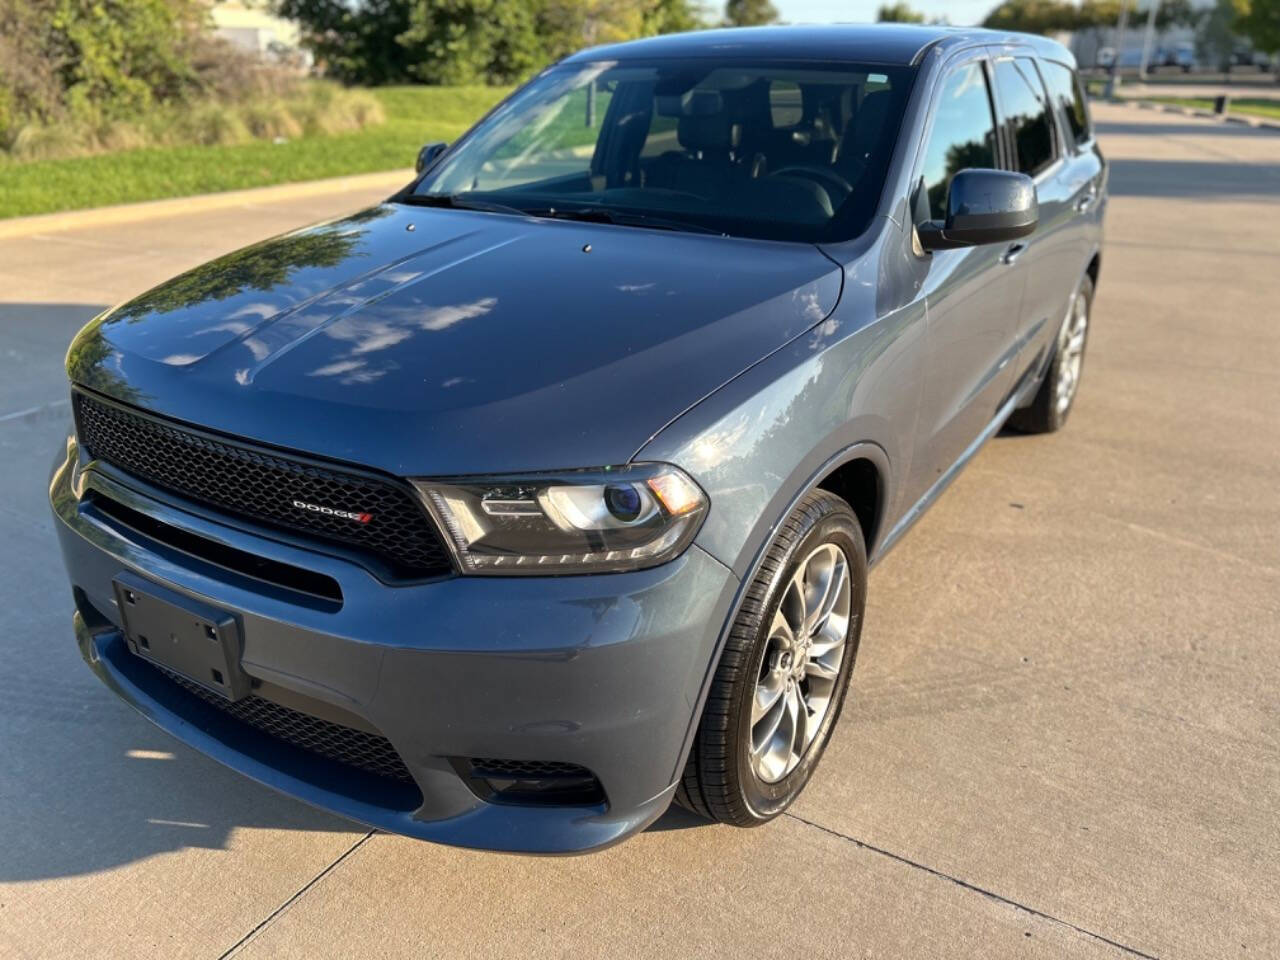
<point>963,136</point>
<point>1064,90</point>
<point>1026,112</point>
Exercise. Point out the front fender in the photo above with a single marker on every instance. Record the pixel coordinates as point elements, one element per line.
<point>757,445</point>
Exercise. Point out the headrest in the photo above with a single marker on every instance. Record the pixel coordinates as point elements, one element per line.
<point>713,132</point>
<point>871,114</point>
<point>691,103</point>
<point>861,137</point>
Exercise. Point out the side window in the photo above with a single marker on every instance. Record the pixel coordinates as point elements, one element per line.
<point>964,134</point>
<point>1026,111</point>
<point>1064,90</point>
<point>1080,109</point>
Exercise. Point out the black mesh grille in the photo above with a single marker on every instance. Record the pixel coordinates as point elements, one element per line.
<point>527,769</point>
<point>263,486</point>
<point>356,748</point>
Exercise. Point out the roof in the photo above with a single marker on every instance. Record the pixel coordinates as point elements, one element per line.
<point>884,43</point>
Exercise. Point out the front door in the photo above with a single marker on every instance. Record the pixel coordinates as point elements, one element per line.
<point>972,295</point>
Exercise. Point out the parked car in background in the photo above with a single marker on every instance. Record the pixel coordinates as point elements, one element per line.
<point>545,493</point>
<point>1182,55</point>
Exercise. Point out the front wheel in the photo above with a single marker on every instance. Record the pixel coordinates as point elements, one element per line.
<point>1048,411</point>
<point>781,680</point>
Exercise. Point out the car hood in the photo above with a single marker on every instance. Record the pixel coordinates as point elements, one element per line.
<point>437,342</point>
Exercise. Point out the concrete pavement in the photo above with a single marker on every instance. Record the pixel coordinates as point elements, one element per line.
<point>1064,732</point>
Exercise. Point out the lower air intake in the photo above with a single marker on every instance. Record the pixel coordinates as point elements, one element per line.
<point>533,782</point>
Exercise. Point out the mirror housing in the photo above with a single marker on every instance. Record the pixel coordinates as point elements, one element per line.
<point>984,206</point>
<point>429,154</point>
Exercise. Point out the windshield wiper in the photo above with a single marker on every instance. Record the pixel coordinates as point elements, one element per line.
<point>458,201</point>
<point>625,218</point>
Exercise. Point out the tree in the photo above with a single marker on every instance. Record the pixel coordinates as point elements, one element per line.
<point>672,16</point>
<point>470,41</point>
<point>1035,16</point>
<point>1216,38</point>
<point>898,13</point>
<point>355,42</point>
<point>474,41</point>
<point>1260,22</point>
<point>749,13</point>
<point>1174,13</point>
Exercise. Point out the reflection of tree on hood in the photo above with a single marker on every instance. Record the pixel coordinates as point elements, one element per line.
<point>259,267</point>
<point>87,363</point>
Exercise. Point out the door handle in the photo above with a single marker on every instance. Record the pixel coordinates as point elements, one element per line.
<point>1013,253</point>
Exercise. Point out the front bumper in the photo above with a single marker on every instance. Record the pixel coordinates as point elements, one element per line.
<point>605,672</point>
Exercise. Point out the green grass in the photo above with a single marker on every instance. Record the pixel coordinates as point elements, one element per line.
<point>1253,106</point>
<point>415,115</point>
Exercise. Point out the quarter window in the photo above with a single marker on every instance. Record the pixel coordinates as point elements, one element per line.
<point>1026,112</point>
<point>963,136</point>
<point>1064,90</point>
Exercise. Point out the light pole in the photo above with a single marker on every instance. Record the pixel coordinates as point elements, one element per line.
<point>1148,38</point>
<point>1113,80</point>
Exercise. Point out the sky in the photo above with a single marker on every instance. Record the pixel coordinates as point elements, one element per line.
<point>959,12</point>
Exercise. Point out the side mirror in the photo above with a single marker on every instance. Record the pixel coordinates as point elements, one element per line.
<point>984,206</point>
<point>430,154</point>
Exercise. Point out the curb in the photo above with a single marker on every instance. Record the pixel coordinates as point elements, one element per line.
<point>390,181</point>
<point>1256,122</point>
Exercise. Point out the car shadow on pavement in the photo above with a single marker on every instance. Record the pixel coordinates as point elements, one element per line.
<point>677,818</point>
<point>84,814</point>
<point>87,784</point>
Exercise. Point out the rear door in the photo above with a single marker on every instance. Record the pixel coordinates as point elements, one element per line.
<point>1053,256</point>
<point>1083,171</point>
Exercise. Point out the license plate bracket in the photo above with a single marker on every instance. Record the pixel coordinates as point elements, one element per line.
<point>193,639</point>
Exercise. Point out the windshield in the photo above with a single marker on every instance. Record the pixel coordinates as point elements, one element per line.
<point>746,148</point>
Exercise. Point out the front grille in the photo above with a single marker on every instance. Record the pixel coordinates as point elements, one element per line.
<point>355,748</point>
<point>262,485</point>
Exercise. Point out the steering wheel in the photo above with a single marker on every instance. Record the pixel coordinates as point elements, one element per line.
<point>826,178</point>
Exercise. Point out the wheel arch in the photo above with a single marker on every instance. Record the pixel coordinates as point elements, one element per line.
<point>852,469</point>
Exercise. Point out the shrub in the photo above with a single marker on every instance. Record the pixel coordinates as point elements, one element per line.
<point>270,120</point>
<point>86,76</point>
<point>211,125</point>
<point>311,108</point>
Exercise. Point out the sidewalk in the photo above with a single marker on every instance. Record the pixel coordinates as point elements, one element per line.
<point>382,184</point>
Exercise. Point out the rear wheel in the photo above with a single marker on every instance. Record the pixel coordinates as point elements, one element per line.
<point>782,679</point>
<point>1053,401</point>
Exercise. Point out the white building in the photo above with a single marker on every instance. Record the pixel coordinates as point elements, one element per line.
<point>251,26</point>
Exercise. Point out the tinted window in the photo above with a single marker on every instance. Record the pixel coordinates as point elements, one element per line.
<point>964,134</point>
<point>738,146</point>
<point>1064,90</point>
<point>1026,112</point>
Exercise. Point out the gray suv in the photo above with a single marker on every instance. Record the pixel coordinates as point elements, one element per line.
<point>543,494</point>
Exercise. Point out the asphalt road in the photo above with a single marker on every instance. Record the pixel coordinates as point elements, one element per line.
<point>1064,734</point>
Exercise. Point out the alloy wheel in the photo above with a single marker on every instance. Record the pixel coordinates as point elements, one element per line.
<point>801,664</point>
<point>1071,353</point>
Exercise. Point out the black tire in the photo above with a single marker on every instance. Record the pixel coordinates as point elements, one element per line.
<point>719,782</point>
<point>1045,414</point>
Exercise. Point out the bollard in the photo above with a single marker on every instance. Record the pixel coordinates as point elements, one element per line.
<point>1221,104</point>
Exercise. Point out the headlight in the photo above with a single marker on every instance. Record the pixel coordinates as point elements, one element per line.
<point>581,521</point>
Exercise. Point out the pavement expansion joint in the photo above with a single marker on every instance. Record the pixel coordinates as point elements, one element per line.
<point>989,894</point>
<point>270,918</point>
